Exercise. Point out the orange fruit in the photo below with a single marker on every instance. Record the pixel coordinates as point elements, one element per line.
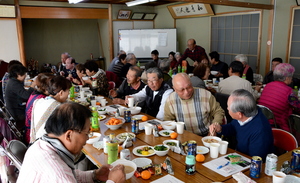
<point>200,158</point>
<point>145,174</point>
<point>144,118</point>
<point>174,135</point>
<point>120,149</point>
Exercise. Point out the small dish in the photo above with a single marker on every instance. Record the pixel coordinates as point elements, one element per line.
<point>214,72</point>
<point>202,150</point>
<point>165,133</point>
<point>151,153</point>
<point>210,139</point>
<point>101,117</point>
<point>96,136</point>
<point>171,143</point>
<point>141,162</point>
<point>122,136</point>
<point>138,117</point>
<point>98,145</point>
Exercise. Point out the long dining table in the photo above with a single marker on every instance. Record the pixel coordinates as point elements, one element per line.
<point>203,174</point>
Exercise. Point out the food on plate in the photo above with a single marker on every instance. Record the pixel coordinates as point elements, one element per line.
<point>114,121</point>
<point>171,143</point>
<point>211,141</point>
<point>145,150</point>
<point>93,137</point>
<point>103,109</point>
<point>160,148</point>
<point>166,133</point>
<point>234,158</point>
<point>174,135</point>
<point>100,117</point>
<point>144,118</point>
<point>200,158</point>
<point>123,136</point>
<point>145,174</point>
<point>158,169</point>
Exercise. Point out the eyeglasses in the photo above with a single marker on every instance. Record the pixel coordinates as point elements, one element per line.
<point>152,81</point>
<point>89,133</point>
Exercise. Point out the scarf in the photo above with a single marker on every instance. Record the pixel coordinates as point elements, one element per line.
<point>64,154</point>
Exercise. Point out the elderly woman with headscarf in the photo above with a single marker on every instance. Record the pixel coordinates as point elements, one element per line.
<point>52,158</point>
<point>279,97</point>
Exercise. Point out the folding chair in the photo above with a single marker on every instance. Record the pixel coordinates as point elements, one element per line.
<point>268,113</point>
<point>283,140</point>
<point>294,124</point>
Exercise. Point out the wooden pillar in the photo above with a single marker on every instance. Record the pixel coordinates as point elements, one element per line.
<point>20,33</point>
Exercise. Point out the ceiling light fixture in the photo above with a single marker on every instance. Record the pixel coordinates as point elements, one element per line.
<point>74,1</point>
<point>137,2</point>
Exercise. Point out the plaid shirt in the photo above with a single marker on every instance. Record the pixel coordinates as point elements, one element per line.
<point>197,113</point>
<point>197,54</point>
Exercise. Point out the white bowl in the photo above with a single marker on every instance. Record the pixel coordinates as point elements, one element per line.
<point>126,163</point>
<point>135,110</point>
<point>215,140</point>
<point>85,88</point>
<point>161,153</point>
<point>114,127</point>
<point>214,72</point>
<point>168,125</point>
<point>122,136</point>
<point>100,111</point>
<point>96,136</point>
<point>165,142</point>
<point>98,98</point>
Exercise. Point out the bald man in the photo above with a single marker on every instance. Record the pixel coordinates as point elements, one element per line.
<point>196,107</point>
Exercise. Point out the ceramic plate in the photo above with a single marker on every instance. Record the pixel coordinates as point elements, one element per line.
<point>291,179</point>
<point>98,145</point>
<point>138,117</point>
<point>141,162</point>
<point>134,151</point>
<point>202,150</point>
<point>101,117</point>
<point>165,133</point>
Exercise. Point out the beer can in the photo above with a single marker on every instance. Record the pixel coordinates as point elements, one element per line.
<point>295,161</point>
<point>271,164</point>
<point>192,147</point>
<point>105,140</point>
<point>134,126</point>
<point>255,167</point>
<point>125,154</point>
<point>127,116</point>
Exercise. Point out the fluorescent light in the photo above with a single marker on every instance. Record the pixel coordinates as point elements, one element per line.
<point>74,1</point>
<point>137,2</point>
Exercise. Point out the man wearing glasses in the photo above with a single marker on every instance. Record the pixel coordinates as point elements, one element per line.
<point>154,94</point>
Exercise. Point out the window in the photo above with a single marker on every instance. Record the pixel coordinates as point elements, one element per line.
<point>294,54</point>
<point>236,34</point>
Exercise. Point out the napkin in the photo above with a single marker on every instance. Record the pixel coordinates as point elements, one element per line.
<point>242,178</point>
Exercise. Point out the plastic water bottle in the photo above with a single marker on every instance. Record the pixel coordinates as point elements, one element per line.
<point>94,120</point>
<point>138,64</point>
<point>170,72</point>
<point>179,69</point>
<point>244,76</point>
<point>72,93</point>
<point>296,90</point>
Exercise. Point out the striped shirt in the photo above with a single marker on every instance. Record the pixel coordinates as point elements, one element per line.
<point>43,164</point>
<point>197,113</point>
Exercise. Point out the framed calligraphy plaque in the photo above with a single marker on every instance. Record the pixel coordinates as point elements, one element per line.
<point>190,10</point>
<point>124,14</point>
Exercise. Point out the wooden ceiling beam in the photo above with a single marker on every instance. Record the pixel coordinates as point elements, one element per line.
<point>228,3</point>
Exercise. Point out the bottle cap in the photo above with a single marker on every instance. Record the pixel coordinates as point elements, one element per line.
<point>190,159</point>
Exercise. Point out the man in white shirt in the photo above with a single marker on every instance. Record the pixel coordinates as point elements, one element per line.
<point>154,94</point>
<point>234,81</point>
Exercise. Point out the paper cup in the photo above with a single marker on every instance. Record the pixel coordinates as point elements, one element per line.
<point>93,102</point>
<point>223,147</point>
<point>103,102</point>
<point>214,150</point>
<point>148,129</point>
<point>278,177</point>
<point>180,127</point>
<point>130,102</point>
<point>81,94</point>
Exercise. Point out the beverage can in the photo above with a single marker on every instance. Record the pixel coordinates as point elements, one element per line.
<point>125,154</point>
<point>127,116</point>
<point>255,167</point>
<point>295,160</point>
<point>192,147</point>
<point>105,141</point>
<point>134,126</point>
<point>271,164</point>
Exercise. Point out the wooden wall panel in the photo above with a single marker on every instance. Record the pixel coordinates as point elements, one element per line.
<point>63,13</point>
